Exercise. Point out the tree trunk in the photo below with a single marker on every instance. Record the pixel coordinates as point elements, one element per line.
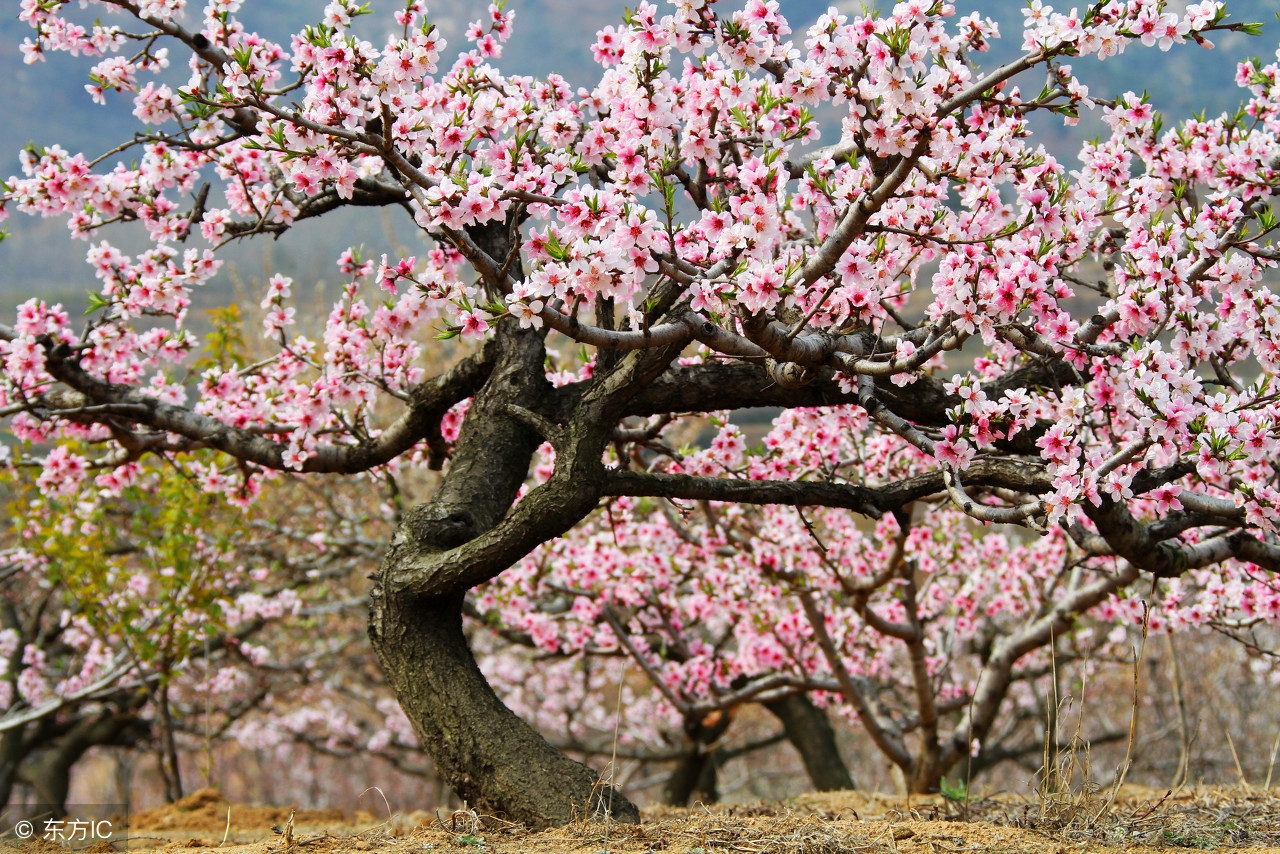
<point>927,776</point>
<point>811,734</point>
<point>695,775</point>
<point>689,779</point>
<point>706,789</point>
<point>493,760</point>
<point>678,789</point>
<point>167,749</point>
<point>48,769</point>
<point>11,754</point>
<point>468,533</point>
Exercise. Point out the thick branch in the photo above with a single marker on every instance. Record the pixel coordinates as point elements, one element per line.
<point>869,501</point>
<point>793,493</point>
<point>1169,558</point>
<point>858,691</point>
<point>93,400</point>
<point>472,551</point>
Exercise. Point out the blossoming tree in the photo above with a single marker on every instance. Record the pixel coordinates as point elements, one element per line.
<point>149,613</point>
<point>852,218</point>
<point>944,642</point>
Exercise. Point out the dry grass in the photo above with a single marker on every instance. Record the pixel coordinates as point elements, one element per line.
<point>1231,819</point>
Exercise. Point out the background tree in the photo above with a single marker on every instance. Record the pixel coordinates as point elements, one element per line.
<point>138,611</point>
<point>1107,333</point>
<point>922,630</point>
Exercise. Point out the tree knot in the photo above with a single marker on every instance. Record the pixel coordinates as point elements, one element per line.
<point>441,527</point>
<point>790,375</point>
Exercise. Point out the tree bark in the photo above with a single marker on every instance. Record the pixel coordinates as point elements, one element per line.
<point>468,533</point>
<point>695,774</point>
<point>11,754</point>
<point>48,769</point>
<point>491,758</point>
<point>811,734</point>
<point>693,779</point>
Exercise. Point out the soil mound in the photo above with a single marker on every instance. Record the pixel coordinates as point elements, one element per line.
<point>206,811</point>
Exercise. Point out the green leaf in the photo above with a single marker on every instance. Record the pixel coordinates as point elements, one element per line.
<point>95,301</point>
<point>1267,219</point>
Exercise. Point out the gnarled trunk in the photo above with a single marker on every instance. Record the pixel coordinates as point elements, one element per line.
<point>471,531</point>
<point>493,759</point>
<point>47,765</point>
<point>468,533</point>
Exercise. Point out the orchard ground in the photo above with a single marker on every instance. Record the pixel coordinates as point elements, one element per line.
<point>1242,818</point>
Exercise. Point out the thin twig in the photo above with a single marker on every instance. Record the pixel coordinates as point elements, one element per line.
<point>1236,757</point>
<point>1272,764</point>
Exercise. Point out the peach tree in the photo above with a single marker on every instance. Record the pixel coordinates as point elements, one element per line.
<point>139,611</point>
<point>851,222</point>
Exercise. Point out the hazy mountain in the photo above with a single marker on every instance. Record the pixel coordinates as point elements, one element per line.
<point>46,103</point>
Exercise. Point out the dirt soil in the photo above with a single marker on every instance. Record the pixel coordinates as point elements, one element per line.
<point>1239,819</point>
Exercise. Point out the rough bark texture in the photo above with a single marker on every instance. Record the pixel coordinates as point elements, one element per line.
<point>492,759</point>
<point>811,734</point>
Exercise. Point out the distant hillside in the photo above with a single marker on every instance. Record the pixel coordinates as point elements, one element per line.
<point>47,103</point>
